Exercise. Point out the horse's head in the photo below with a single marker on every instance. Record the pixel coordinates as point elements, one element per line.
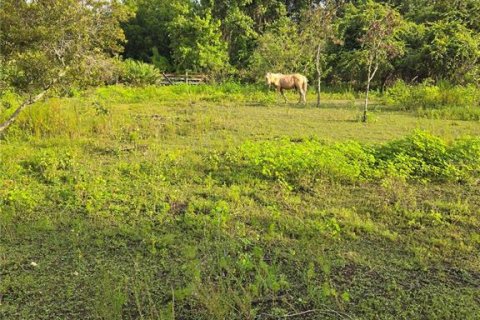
<point>269,79</point>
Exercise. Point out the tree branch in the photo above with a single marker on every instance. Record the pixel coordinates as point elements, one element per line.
<point>26,103</point>
<point>374,72</point>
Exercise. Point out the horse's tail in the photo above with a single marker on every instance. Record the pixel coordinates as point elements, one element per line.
<point>305,84</point>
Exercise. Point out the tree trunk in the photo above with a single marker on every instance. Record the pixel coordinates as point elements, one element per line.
<point>365,108</point>
<point>370,76</point>
<point>319,75</point>
<point>25,104</point>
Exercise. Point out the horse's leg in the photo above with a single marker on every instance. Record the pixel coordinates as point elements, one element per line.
<point>283,94</point>
<point>277,89</point>
<point>299,90</point>
<point>304,88</point>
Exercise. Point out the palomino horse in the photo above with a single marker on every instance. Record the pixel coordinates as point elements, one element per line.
<point>288,81</point>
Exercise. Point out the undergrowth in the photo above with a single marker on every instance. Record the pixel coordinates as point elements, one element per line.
<point>300,164</point>
<point>121,205</point>
<point>441,101</point>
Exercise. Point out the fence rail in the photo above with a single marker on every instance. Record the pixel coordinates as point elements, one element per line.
<point>175,78</point>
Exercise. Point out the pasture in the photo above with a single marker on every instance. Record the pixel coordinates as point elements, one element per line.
<point>225,203</point>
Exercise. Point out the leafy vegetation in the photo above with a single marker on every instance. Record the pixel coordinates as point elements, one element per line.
<point>197,203</point>
<point>122,199</point>
<point>437,101</point>
<point>138,73</point>
<point>419,40</point>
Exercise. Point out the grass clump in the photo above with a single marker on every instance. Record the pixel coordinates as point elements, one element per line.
<point>300,163</point>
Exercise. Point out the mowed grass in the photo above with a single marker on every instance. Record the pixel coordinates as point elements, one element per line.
<point>174,203</point>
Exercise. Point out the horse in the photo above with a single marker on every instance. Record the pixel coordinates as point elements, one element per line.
<point>288,81</point>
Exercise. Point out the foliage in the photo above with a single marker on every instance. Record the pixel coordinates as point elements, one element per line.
<point>302,164</point>
<point>139,73</point>
<point>58,44</point>
<point>197,43</point>
<point>148,29</point>
<point>238,29</point>
<point>430,39</point>
<point>279,50</point>
<point>419,156</point>
<point>453,52</point>
<point>159,61</point>
<point>423,156</point>
<point>241,24</point>
<point>443,100</point>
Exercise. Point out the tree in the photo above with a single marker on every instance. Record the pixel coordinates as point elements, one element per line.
<point>240,35</point>
<point>376,27</point>
<point>147,33</point>
<point>242,21</point>
<point>280,49</point>
<point>453,52</point>
<point>318,30</point>
<point>47,44</point>
<point>196,43</point>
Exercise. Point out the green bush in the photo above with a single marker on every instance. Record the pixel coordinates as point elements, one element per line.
<point>299,165</point>
<point>138,73</point>
<point>437,101</point>
<point>419,155</point>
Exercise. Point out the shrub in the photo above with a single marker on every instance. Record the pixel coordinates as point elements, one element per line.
<point>419,155</point>
<point>138,73</point>
<point>300,164</point>
<point>426,157</point>
<point>440,101</point>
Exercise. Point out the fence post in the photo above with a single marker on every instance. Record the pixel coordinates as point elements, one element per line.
<point>168,79</point>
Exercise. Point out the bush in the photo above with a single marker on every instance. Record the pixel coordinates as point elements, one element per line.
<point>299,165</point>
<point>419,155</point>
<point>437,101</point>
<point>138,73</point>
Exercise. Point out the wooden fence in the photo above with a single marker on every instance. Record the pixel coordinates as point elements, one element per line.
<point>193,79</point>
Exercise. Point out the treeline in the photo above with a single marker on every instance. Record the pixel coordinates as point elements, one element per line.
<point>413,40</point>
<point>54,45</point>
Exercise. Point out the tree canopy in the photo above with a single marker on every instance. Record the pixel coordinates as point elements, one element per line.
<point>43,41</point>
<point>438,40</point>
<point>48,44</point>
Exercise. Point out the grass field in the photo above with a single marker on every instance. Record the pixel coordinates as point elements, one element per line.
<point>207,203</point>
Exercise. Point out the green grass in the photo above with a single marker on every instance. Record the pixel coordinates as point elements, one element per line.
<point>219,203</point>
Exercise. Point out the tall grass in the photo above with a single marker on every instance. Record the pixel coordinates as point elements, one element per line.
<point>443,101</point>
